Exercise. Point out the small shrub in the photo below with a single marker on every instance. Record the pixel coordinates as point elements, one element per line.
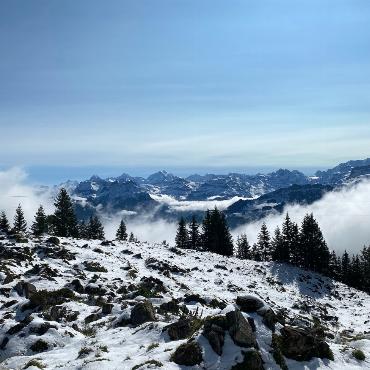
<point>358,355</point>
<point>150,362</point>
<point>84,351</point>
<point>35,363</point>
<point>152,346</point>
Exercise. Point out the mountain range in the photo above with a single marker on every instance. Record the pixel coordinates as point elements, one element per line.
<point>254,195</point>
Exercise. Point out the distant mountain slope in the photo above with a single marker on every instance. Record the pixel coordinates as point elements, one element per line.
<point>254,209</point>
<point>84,304</point>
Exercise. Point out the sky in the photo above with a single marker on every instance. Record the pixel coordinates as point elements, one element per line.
<point>137,86</point>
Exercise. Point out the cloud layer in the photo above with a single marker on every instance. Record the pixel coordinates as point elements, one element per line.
<point>344,217</point>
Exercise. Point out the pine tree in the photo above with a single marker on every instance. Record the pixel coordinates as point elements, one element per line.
<point>20,224</point>
<point>65,222</point>
<point>314,249</point>
<point>355,273</point>
<point>122,232</point>
<point>287,239</point>
<point>345,267</point>
<point>40,226</point>
<point>132,238</point>
<point>242,247</point>
<point>263,245</point>
<point>83,232</point>
<point>206,237</point>
<point>4,223</point>
<point>221,240</point>
<point>95,229</point>
<point>194,237</point>
<point>181,239</point>
<point>277,246</point>
<point>334,266</point>
<point>295,246</point>
<point>365,267</point>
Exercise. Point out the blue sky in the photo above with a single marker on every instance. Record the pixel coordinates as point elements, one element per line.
<point>183,85</point>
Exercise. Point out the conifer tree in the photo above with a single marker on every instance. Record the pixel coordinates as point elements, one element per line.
<point>242,247</point>
<point>65,222</point>
<point>95,228</point>
<point>334,266</point>
<point>277,246</point>
<point>194,237</point>
<point>121,233</point>
<point>181,239</point>
<point>20,224</point>
<point>40,226</point>
<point>132,238</point>
<point>206,237</point>
<point>314,249</point>
<point>4,223</point>
<point>295,246</point>
<point>287,239</point>
<point>263,244</point>
<point>345,267</point>
<point>83,230</point>
<point>221,240</point>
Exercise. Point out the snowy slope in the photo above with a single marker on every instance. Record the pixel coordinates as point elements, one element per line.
<point>103,344</point>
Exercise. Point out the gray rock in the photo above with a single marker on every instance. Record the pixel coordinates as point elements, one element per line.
<point>188,354</point>
<point>252,361</point>
<point>142,312</point>
<point>240,329</point>
<point>249,303</point>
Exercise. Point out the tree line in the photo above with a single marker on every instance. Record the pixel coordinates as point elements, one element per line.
<point>303,246</point>
<point>63,222</point>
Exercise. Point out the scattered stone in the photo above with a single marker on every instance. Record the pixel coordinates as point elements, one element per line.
<point>214,331</point>
<point>188,354</point>
<point>39,346</point>
<point>252,361</point>
<point>60,313</point>
<point>53,240</point>
<point>142,312</point>
<point>249,303</point>
<point>107,308</point>
<point>94,267</point>
<point>195,298</point>
<point>91,318</point>
<point>77,286</point>
<point>42,328</point>
<point>45,298</point>
<point>183,328</point>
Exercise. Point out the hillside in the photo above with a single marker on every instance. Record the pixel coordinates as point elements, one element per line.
<point>100,315</point>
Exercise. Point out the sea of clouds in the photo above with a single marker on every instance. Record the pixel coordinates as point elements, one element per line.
<point>344,215</point>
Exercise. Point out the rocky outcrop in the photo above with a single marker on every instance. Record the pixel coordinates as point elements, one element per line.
<point>251,361</point>
<point>183,328</point>
<point>249,303</point>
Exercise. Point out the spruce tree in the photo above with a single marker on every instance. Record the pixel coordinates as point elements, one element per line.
<point>345,267</point>
<point>277,246</point>
<point>132,238</point>
<point>121,233</point>
<point>194,237</point>
<point>334,266</point>
<point>206,237</point>
<point>295,246</point>
<point>95,229</point>
<point>263,245</point>
<point>40,226</point>
<point>365,267</point>
<point>4,223</point>
<point>315,252</point>
<point>242,247</point>
<point>221,240</point>
<point>20,224</point>
<point>181,239</point>
<point>287,239</point>
<point>83,230</point>
<point>65,222</point>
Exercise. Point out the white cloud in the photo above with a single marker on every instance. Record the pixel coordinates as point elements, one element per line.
<point>14,190</point>
<point>197,205</point>
<point>343,215</point>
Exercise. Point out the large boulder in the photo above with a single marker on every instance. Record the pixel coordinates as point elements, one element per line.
<point>142,312</point>
<point>252,361</point>
<point>249,303</point>
<point>240,330</point>
<point>188,354</point>
<point>214,331</point>
<point>183,328</point>
<point>303,345</point>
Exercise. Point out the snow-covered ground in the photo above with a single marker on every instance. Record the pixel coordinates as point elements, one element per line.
<point>103,344</point>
